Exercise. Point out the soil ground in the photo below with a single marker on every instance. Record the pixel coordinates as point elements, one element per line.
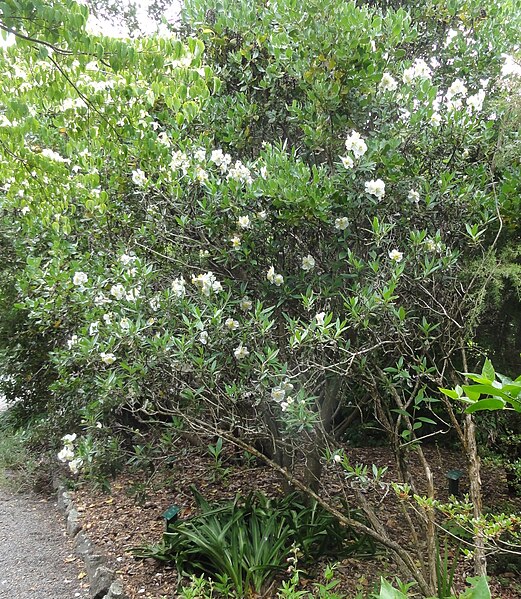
<point>131,515</point>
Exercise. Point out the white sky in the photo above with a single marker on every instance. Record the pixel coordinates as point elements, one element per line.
<point>147,25</point>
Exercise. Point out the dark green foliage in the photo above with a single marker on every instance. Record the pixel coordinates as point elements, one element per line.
<point>249,539</point>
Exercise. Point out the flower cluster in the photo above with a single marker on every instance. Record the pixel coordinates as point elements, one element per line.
<point>387,83</point>
<point>240,173</point>
<point>178,287</point>
<point>375,188</point>
<point>67,454</point>
<point>308,263</point>
<point>107,358</point>
<point>418,70</point>
<point>79,278</point>
<point>273,277</point>
<point>207,283</point>
<point>354,143</point>
<point>281,394</point>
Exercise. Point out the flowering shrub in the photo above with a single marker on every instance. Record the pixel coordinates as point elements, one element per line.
<point>256,225</point>
<point>172,274</point>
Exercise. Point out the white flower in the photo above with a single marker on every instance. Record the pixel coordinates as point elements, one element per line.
<point>240,352</point>
<point>319,317</point>
<point>75,465</point>
<point>355,144</point>
<point>94,327</point>
<point>457,88</point>
<point>278,280</point>
<point>454,104</point>
<point>107,318</point>
<point>52,155</point>
<point>264,172</point>
<point>124,323</point>
<point>201,175</point>
<point>262,215</point>
<point>125,259</point>
<point>179,161</point>
<point>69,439</point>
<point>245,304</point>
<point>236,242</point>
<point>432,246</point>
<point>396,255</point>
<point>375,188</point>
<point>133,294</point>
<point>101,300</point>
<point>178,287</point>
<point>435,119</point>
<point>451,34</point>
<point>66,454</point>
<point>270,275</point>
<point>337,458</point>
<point>79,278</point>
<point>218,157</point>
<point>347,161</point>
<point>231,324</point>
<point>154,304</point>
<point>107,358</point>
<point>284,406</point>
<point>72,341</point>
<point>118,291</point>
<point>387,83</point>
<point>419,70</point>
<point>163,139</point>
<point>239,172</point>
<point>203,337</point>
<point>341,223</point>
<point>413,196</point>
<point>25,210</point>
<point>244,222</point>
<point>207,283</point>
<point>475,102</point>
<point>200,155</point>
<point>278,394</point>
<point>308,262</point>
<point>138,177</point>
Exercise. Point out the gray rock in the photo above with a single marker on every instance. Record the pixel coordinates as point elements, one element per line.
<point>116,591</point>
<point>82,545</point>
<point>101,582</point>
<point>73,523</point>
<point>92,562</point>
<point>64,500</point>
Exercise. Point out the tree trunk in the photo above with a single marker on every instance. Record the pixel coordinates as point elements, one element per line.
<point>480,558</point>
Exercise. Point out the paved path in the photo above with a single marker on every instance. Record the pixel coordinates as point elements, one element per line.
<point>34,551</point>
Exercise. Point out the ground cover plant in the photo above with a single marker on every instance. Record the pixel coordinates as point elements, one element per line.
<point>268,226</point>
<point>245,543</point>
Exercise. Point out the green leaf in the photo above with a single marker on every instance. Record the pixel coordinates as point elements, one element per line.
<point>488,371</point>
<point>479,589</point>
<point>451,393</point>
<point>486,404</point>
<point>387,591</point>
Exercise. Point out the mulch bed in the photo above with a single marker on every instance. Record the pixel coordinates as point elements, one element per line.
<point>131,515</point>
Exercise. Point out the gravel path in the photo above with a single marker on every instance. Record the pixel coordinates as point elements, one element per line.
<point>35,554</point>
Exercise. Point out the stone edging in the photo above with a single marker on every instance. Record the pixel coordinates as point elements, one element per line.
<point>102,580</point>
